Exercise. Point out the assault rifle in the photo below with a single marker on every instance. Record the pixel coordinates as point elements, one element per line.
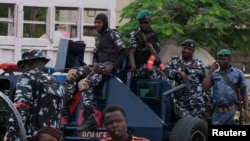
<point>154,57</point>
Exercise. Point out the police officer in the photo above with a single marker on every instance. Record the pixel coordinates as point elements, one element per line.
<point>229,84</point>
<point>143,42</point>
<point>115,121</point>
<point>191,100</point>
<point>38,96</point>
<point>108,56</point>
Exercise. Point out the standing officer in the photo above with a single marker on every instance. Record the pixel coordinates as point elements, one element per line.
<point>144,47</point>
<point>108,56</point>
<point>229,84</point>
<point>38,96</point>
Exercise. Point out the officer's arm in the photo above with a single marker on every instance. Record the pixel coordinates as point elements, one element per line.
<point>94,59</point>
<point>244,96</point>
<point>119,45</point>
<point>23,96</point>
<point>132,57</point>
<point>206,84</point>
<point>119,60</point>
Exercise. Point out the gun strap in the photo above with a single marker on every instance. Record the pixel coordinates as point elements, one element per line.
<point>224,76</point>
<point>226,79</point>
<point>151,49</point>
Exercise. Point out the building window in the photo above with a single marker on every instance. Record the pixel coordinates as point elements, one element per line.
<point>66,20</point>
<point>34,24</point>
<point>7,19</point>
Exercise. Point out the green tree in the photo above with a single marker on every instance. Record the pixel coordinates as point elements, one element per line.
<point>211,23</point>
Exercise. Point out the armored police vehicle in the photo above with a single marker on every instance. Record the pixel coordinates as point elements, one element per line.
<point>147,104</point>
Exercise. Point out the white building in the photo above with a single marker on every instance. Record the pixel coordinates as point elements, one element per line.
<point>71,19</point>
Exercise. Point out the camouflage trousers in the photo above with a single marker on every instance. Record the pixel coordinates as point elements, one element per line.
<point>92,78</point>
<point>185,106</point>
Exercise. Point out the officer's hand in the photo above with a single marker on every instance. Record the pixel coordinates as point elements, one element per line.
<point>209,106</point>
<point>11,134</point>
<point>182,74</point>
<point>214,66</point>
<point>82,84</point>
<point>72,74</point>
<point>97,68</point>
<point>244,116</point>
<point>132,72</point>
<point>108,69</point>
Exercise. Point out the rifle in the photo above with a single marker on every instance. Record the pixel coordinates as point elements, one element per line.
<point>154,57</point>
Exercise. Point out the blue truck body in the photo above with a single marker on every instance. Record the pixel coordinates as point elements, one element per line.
<point>147,103</point>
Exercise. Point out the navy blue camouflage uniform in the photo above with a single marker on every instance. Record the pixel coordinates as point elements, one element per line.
<point>38,98</point>
<point>87,72</point>
<point>138,40</point>
<point>191,100</point>
<point>109,50</point>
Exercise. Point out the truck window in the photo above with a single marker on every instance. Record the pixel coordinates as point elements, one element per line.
<point>148,89</point>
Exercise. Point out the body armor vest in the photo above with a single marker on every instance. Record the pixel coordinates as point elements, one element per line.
<point>106,50</point>
<point>142,52</point>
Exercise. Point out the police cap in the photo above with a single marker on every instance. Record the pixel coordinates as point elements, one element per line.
<point>224,52</point>
<point>188,43</point>
<point>31,55</point>
<point>144,14</point>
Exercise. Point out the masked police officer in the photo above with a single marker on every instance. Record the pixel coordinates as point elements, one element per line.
<point>108,56</point>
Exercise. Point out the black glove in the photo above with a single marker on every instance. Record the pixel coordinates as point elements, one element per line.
<point>132,72</point>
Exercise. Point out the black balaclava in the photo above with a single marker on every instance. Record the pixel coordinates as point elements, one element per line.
<point>103,17</point>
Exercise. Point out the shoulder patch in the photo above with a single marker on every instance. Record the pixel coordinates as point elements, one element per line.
<point>24,82</point>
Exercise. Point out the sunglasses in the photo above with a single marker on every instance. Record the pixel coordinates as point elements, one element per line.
<point>222,58</point>
<point>144,22</point>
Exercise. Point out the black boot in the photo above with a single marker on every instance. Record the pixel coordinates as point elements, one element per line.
<point>89,122</point>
